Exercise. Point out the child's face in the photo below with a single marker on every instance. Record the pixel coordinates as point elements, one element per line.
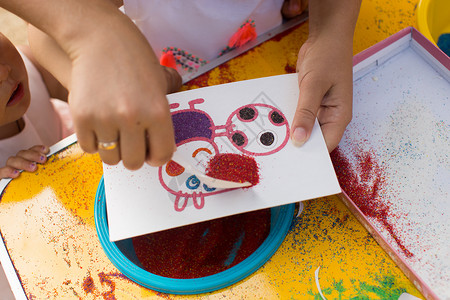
<point>14,91</point>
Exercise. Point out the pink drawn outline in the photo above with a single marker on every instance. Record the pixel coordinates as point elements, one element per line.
<point>240,148</point>
<point>179,194</point>
<point>228,132</point>
<point>254,117</point>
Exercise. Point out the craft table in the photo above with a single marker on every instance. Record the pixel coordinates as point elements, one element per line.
<point>47,217</point>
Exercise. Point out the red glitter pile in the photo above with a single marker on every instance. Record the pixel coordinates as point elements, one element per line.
<point>233,167</point>
<point>205,248</point>
<point>362,184</point>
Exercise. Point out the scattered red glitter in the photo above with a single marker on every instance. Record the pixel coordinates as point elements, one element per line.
<point>88,285</point>
<point>281,35</point>
<point>106,283</point>
<point>362,184</point>
<point>290,68</point>
<point>109,295</point>
<point>200,81</point>
<point>205,248</point>
<point>233,167</point>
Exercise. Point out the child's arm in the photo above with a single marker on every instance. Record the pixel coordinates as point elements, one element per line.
<point>325,71</point>
<point>47,56</point>
<point>25,160</point>
<point>54,87</point>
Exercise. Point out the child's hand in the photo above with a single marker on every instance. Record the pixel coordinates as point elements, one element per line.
<point>26,160</point>
<point>325,80</point>
<point>325,75</point>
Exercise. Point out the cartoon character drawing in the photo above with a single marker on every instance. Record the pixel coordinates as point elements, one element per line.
<point>252,130</point>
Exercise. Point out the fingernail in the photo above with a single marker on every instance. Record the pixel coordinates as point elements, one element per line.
<point>32,166</point>
<point>42,158</point>
<point>299,136</point>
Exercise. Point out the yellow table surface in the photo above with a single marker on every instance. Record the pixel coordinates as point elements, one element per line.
<point>47,218</point>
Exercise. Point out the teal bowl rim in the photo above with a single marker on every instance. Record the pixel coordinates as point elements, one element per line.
<point>282,217</point>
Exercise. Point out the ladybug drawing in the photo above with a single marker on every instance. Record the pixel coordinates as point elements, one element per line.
<point>252,130</point>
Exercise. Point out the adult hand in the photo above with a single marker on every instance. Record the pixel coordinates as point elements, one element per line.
<point>117,86</point>
<point>25,160</point>
<point>118,97</point>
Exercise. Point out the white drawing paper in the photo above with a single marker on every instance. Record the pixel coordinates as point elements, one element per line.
<point>248,120</point>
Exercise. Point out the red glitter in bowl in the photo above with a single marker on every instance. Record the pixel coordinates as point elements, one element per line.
<point>205,248</point>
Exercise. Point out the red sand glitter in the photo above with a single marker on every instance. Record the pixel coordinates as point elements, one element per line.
<point>88,285</point>
<point>233,167</point>
<point>205,248</point>
<point>107,285</point>
<point>364,191</point>
<point>173,169</point>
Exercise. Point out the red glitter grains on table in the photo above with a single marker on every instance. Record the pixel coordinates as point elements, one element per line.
<point>363,184</point>
<point>205,248</point>
<point>233,167</point>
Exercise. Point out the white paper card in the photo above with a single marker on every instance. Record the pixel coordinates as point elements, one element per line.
<point>242,120</point>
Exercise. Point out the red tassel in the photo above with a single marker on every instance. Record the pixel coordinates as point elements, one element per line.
<point>168,60</point>
<point>244,35</point>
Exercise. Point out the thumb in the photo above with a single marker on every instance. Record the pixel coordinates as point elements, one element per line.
<point>309,101</point>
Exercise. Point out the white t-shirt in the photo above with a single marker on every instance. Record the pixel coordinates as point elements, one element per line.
<point>47,120</point>
<point>200,27</point>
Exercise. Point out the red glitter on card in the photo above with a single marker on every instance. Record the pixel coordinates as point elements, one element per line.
<point>173,169</point>
<point>363,183</point>
<point>233,167</point>
<point>205,248</point>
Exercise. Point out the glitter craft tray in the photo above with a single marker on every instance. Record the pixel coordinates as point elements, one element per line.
<point>124,254</point>
<point>393,161</point>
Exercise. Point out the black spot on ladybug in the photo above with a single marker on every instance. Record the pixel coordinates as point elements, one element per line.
<point>238,139</point>
<point>247,113</point>
<point>276,117</point>
<point>267,138</point>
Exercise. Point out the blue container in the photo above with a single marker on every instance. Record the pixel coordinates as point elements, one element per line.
<point>123,256</point>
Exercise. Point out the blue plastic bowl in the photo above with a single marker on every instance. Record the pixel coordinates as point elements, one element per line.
<point>122,255</point>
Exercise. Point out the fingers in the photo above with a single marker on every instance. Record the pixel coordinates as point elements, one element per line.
<point>174,80</point>
<point>293,8</point>
<point>108,145</point>
<point>26,160</point>
<point>9,172</point>
<point>310,99</point>
<point>150,140</point>
<point>334,118</point>
<point>161,141</point>
<point>332,133</point>
<point>133,148</point>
